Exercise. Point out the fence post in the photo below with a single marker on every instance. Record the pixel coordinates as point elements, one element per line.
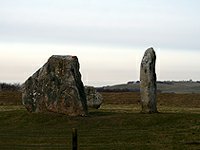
<point>74,139</point>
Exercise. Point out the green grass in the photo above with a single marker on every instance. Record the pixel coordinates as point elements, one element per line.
<point>117,125</point>
<point>113,127</point>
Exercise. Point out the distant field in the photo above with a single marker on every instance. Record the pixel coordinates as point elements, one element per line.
<point>190,100</point>
<point>164,87</point>
<point>117,125</point>
<point>10,98</point>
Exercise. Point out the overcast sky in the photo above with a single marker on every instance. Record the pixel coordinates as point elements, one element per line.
<point>108,36</point>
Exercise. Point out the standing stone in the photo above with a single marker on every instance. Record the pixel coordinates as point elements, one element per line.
<point>148,87</point>
<point>94,98</point>
<point>56,87</point>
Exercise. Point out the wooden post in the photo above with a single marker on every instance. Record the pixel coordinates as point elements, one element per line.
<point>74,139</point>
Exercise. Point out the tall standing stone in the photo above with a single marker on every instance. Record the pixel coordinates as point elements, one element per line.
<point>56,87</point>
<point>148,87</point>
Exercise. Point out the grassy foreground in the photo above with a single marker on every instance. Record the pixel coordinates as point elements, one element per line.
<point>102,129</point>
<point>117,125</point>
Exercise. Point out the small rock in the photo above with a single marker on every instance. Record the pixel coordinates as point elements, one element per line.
<point>94,98</point>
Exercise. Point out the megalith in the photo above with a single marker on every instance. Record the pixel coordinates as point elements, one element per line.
<point>56,87</point>
<point>94,98</point>
<point>148,87</point>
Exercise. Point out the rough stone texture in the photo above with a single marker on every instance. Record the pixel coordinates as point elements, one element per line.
<point>94,98</point>
<point>148,87</point>
<point>56,87</point>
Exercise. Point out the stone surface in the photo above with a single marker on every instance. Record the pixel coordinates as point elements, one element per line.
<point>56,87</point>
<point>94,98</point>
<point>148,87</point>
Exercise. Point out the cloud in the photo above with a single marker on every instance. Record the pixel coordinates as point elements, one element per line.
<point>129,24</point>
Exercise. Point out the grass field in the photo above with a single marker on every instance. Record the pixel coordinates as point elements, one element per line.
<point>10,98</point>
<point>117,125</point>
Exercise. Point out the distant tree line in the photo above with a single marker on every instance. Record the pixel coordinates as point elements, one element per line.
<point>9,87</point>
<point>121,90</point>
<point>102,89</point>
<point>167,82</point>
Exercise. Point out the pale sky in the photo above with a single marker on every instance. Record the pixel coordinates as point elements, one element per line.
<point>108,36</point>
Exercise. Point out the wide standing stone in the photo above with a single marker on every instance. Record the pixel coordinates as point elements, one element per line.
<point>56,87</point>
<point>148,87</point>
